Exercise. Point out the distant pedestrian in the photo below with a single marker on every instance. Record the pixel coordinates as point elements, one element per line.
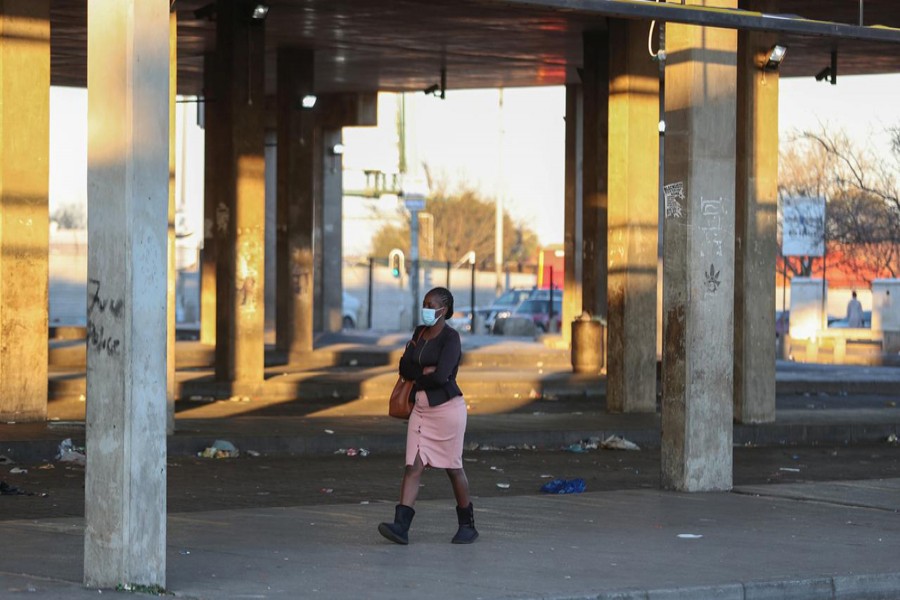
<point>437,426</point>
<point>854,312</point>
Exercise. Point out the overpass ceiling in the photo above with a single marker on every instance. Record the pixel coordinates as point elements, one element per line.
<point>394,45</point>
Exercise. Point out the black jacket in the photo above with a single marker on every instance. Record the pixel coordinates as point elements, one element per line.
<point>444,353</point>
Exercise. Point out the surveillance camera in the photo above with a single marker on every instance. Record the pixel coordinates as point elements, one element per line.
<point>432,89</point>
<point>823,74</point>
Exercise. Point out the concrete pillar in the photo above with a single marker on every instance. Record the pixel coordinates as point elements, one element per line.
<point>331,231</point>
<point>595,170</point>
<point>172,274</point>
<point>698,256</point>
<point>633,219</point>
<point>128,148</point>
<point>240,345</point>
<point>756,247</point>
<point>24,193</point>
<point>297,151</point>
<point>215,222</point>
<point>572,235</point>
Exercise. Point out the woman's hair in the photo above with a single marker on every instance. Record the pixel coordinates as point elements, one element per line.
<point>446,299</point>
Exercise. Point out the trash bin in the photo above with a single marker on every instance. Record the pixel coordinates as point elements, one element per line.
<point>587,344</point>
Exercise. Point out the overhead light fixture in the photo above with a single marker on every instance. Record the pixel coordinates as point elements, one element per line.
<point>259,11</point>
<point>308,101</point>
<point>441,87</point>
<point>829,73</point>
<point>772,59</point>
<point>337,149</point>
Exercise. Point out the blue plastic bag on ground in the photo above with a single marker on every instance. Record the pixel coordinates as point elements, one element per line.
<point>562,486</point>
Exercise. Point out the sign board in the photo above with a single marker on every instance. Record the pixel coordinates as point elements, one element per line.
<point>803,226</point>
<point>414,203</point>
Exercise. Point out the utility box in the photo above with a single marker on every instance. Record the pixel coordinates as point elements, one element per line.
<point>886,313</point>
<point>807,304</point>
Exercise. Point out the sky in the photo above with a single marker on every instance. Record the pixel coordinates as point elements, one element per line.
<point>516,153</point>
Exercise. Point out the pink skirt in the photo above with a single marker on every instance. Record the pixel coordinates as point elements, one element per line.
<point>436,433</point>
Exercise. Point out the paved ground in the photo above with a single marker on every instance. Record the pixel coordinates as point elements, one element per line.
<point>813,513</point>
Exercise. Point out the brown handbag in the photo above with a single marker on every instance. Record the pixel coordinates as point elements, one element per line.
<point>400,405</point>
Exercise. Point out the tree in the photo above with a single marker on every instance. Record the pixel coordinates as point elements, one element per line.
<point>70,216</point>
<point>863,201</point>
<point>463,221</point>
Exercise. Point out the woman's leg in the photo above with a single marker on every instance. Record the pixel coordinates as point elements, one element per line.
<point>460,484</point>
<point>409,489</point>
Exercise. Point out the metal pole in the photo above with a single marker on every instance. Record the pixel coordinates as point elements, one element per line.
<point>371,286</point>
<point>414,269</point>
<point>498,209</point>
<point>472,298</point>
<point>550,305</point>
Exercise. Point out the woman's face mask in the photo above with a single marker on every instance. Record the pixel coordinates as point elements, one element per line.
<point>430,316</point>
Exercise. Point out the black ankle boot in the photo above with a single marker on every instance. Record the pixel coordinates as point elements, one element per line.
<point>398,531</point>
<point>466,533</point>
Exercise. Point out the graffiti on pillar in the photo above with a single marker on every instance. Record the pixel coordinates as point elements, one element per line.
<point>711,279</point>
<point>101,307</point>
<point>222,218</point>
<point>674,194</point>
<point>711,212</point>
<point>246,291</point>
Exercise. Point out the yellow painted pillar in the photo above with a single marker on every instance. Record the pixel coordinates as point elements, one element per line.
<point>633,219</point>
<point>756,246</point>
<point>214,224</point>
<point>240,310</point>
<point>24,193</point>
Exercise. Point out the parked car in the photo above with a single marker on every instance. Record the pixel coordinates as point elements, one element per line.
<point>461,320</point>
<point>503,306</point>
<point>539,312</point>
<point>349,311</point>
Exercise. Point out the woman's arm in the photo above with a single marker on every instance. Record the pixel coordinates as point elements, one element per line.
<point>447,362</point>
<point>409,368</point>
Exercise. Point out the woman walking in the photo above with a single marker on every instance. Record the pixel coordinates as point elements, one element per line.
<point>437,426</point>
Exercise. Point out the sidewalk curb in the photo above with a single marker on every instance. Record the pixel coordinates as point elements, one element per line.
<point>879,586</point>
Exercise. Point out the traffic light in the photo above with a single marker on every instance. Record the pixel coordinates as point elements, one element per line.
<point>395,261</point>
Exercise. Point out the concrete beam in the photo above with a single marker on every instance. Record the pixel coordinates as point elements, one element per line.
<point>24,193</point>
<point>215,222</point>
<point>240,345</point>
<point>698,256</point>
<point>595,81</point>
<point>756,247</point>
<point>298,187</point>
<point>633,219</point>
<point>574,216</point>
<point>330,226</point>
<point>128,148</point>
<point>171,272</point>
